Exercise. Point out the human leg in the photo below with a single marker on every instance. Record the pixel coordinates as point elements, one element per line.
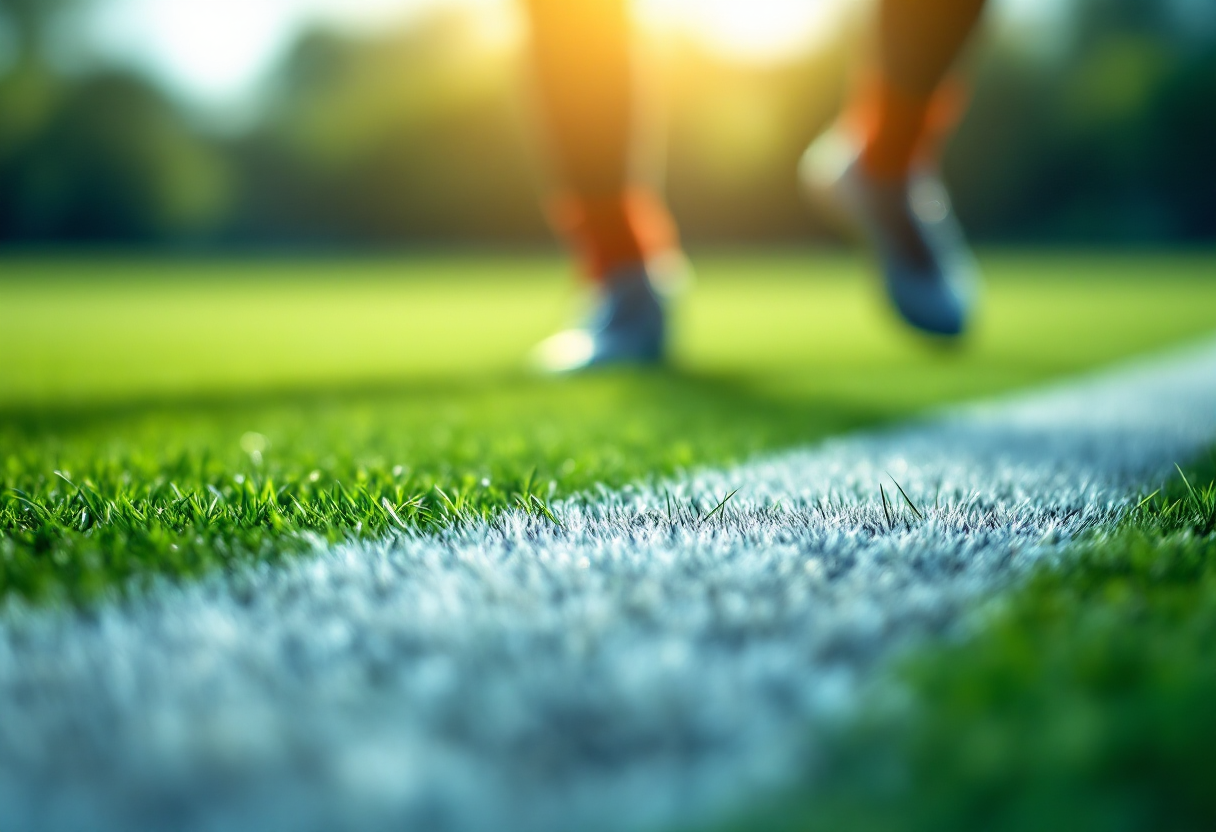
<point>878,167</point>
<point>905,106</point>
<point>582,58</point>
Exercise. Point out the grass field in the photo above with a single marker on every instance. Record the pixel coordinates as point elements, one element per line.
<point>1084,702</point>
<point>167,417</point>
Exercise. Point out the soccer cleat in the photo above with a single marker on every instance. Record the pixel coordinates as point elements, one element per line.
<point>628,327</point>
<point>927,268</point>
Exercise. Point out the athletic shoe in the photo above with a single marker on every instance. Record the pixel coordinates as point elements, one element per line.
<point>929,273</point>
<point>627,327</point>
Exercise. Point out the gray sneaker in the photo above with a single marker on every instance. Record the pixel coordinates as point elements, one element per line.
<point>929,273</point>
<point>628,326</point>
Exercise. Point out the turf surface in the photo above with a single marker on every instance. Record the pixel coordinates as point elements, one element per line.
<point>647,659</point>
<point>168,417</point>
<point>1083,702</point>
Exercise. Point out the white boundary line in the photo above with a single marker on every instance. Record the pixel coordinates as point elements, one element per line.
<point>635,666</point>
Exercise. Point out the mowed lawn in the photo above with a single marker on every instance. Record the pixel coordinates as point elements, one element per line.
<point>169,416</point>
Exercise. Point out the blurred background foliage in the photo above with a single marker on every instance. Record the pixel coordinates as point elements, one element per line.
<point>1098,129</point>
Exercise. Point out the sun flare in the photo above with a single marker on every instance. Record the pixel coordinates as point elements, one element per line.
<point>759,30</point>
<point>194,46</point>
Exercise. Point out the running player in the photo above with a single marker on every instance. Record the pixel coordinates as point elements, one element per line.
<point>876,168</point>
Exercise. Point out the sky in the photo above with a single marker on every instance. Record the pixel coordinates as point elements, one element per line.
<point>214,52</point>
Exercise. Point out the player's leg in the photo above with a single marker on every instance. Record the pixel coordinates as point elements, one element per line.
<point>879,165</point>
<point>907,108</point>
<point>582,58</point>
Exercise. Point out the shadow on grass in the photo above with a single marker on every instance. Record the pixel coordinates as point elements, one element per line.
<point>733,401</point>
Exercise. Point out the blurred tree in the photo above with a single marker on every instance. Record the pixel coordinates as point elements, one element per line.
<point>110,161</point>
<point>31,20</point>
<point>1107,140</point>
<point>736,133</point>
<point>420,136</point>
<point>412,137</point>
<point>28,91</point>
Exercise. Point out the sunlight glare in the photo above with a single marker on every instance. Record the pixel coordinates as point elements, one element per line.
<point>215,48</point>
<point>218,50</point>
<point>753,30</point>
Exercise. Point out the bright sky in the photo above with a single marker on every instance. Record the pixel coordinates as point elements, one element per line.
<point>215,51</point>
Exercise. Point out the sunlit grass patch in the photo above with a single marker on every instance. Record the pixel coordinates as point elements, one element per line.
<point>172,417</point>
<point>181,490</point>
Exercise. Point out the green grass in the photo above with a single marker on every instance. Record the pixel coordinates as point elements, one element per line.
<point>171,417</point>
<point>1086,702</point>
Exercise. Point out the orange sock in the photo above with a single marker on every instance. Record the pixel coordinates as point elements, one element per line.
<point>614,231</point>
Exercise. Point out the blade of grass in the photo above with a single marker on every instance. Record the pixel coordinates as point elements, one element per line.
<point>907,499</point>
<point>720,505</point>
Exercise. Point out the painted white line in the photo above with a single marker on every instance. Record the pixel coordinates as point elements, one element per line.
<point>636,666</point>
